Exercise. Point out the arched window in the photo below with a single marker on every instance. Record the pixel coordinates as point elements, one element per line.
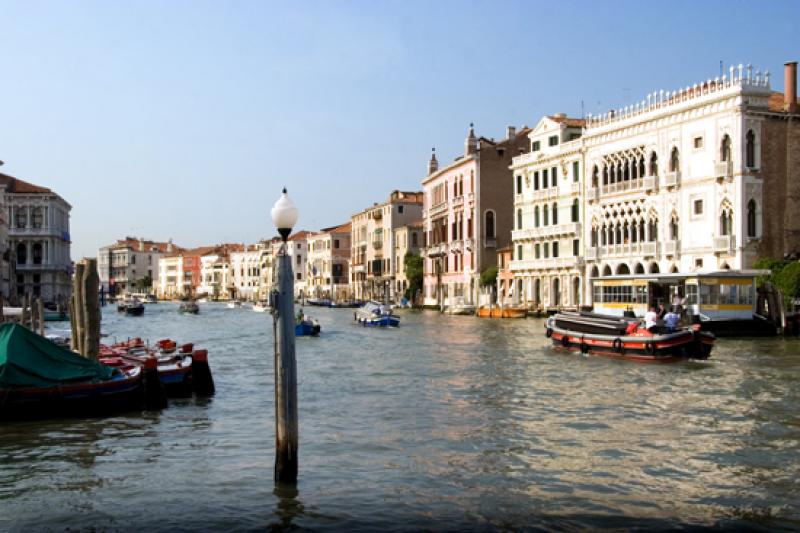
<point>641,166</point>
<point>556,299</point>
<point>519,218</point>
<point>626,171</point>
<point>673,227</point>
<point>674,160</point>
<point>638,269</point>
<point>575,212</point>
<point>725,149</point>
<point>751,218</point>
<point>654,268</point>
<point>619,172</point>
<point>603,233</point>
<point>634,170</point>
<point>594,237</point>
<point>605,175</point>
<point>652,228</point>
<point>22,253</point>
<point>618,235</point>
<point>653,164</point>
<point>606,271</point>
<point>594,273</point>
<point>594,176</point>
<point>536,217</point>
<point>490,224</point>
<point>555,213</point>
<point>613,172</point>
<point>725,222</point>
<point>545,215</point>
<point>623,270</point>
<point>519,184</point>
<point>750,149</point>
<point>37,253</point>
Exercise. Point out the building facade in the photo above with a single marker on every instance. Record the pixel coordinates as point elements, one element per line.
<point>130,261</point>
<point>37,253</point>
<point>373,255</point>
<point>407,239</point>
<point>328,263</point>
<point>681,181</point>
<point>467,216</point>
<point>548,264</point>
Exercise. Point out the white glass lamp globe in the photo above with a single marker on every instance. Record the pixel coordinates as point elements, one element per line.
<point>284,215</point>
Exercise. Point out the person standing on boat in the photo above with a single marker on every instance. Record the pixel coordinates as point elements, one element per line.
<point>300,315</point>
<point>651,320</point>
<point>671,320</point>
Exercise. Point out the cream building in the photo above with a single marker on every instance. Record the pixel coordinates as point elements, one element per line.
<point>407,239</point>
<point>171,280</point>
<point>122,264</point>
<point>245,272</point>
<point>547,251</point>
<point>328,263</point>
<point>297,248</point>
<point>373,258</point>
<point>679,182</point>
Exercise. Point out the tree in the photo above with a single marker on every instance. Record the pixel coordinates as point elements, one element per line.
<point>413,267</point>
<point>489,277</point>
<point>785,276</point>
<point>143,284</point>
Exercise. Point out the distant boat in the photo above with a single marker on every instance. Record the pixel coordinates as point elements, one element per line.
<point>319,302</point>
<point>189,308</point>
<point>494,311</point>
<point>134,308</point>
<point>233,304</point>
<point>307,327</point>
<point>261,306</point>
<point>376,314</point>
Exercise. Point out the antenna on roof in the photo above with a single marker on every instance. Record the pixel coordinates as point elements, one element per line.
<point>720,68</point>
<point>582,113</point>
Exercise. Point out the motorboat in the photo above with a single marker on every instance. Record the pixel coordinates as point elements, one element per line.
<point>234,304</point>
<point>625,338</point>
<point>307,327</point>
<point>376,314</point>
<point>261,306</point>
<point>319,302</point>
<point>189,307</point>
<point>495,311</point>
<point>134,308</point>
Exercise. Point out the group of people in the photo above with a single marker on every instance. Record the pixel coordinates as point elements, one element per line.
<point>658,316</point>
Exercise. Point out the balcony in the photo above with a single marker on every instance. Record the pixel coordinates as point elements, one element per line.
<point>636,249</point>
<point>575,187</point>
<point>545,194</point>
<point>650,183</point>
<point>592,254</point>
<point>671,179</point>
<point>549,263</point>
<point>436,250</point>
<point>437,209</point>
<point>573,228</point>
<point>592,194</point>
<point>458,201</point>
<point>724,244</point>
<point>377,244</point>
<point>723,170</point>
<point>469,244</point>
<point>456,246</point>
<point>672,248</point>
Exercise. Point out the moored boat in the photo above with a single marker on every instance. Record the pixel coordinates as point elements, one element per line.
<point>261,307</point>
<point>622,338</point>
<point>319,302</point>
<point>490,311</point>
<point>376,314</point>
<point>134,308</point>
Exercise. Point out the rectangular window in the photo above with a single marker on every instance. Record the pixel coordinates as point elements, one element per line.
<point>519,184</point>
<point>544,179</point>
<point>575,171</point>
<point>400,209</point>
<point>698,142</point>
<point>555,249</point>
<point>536,251</point>
<point>546,250</point>
<point>698,207</point>
<point>552,140</point>
<point>536,181</point>
<point>336,243</point>
<point>554,177</point>
<point>519,251</point>
<point>575,247</point>
<point>535,147</point>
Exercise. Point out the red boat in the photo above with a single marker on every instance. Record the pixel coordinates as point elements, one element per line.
<point>621,338</point>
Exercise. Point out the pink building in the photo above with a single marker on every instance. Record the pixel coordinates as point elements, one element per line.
<point>467,216</point>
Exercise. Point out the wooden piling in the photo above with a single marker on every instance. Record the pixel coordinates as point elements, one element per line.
<point>41,316</point>
<point>2,302</point>
<point>286,423</point>
<point>78,318</point>
<point>91,311</point>
<point>73,324</point>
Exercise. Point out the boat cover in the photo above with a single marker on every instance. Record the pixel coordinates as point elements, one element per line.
<point>29,360</point>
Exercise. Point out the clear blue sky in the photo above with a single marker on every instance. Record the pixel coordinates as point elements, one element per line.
<point>183,120</point>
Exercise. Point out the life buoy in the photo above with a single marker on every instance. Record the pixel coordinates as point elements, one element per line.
<point>565,340</point>
<point>549,332</point>
<point>617,345</point>
<point>650,348</point>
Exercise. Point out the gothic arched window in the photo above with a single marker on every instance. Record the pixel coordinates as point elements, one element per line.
<point>750,149</point>
<point>751,218</point>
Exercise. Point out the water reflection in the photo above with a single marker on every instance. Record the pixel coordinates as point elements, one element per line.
<point>288,506</point>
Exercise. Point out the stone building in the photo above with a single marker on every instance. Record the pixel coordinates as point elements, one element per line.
<point>36,247</point>
<point>548,264</point>
<point>130,260</point>
<point>467,216</point>
<point>328,263</point>
<point>407,239</point>
<point>373,259</point>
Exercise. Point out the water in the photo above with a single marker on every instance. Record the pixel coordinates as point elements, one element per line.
<point>447,423</point>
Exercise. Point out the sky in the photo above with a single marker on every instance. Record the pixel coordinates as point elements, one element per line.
<point>183,120</point>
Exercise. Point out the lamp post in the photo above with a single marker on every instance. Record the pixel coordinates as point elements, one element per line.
<point>284,216</point>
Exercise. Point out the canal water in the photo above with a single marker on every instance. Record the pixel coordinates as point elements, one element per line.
<point>446,423</point>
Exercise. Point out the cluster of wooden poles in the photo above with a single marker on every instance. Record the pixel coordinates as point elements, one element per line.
<point>32,315</point>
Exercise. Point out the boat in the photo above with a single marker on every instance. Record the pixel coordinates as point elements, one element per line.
<point>150,299</point>
<point>261,306</point>
<point>623,338</point>
<point>351,304</point>
<point>39,379</point>
<point>493,311</point>
<point>376,314</point>
<point>460,309</point>
<point>307,327</point>
<point>319,302</point>
<point>234,304</point>
<point>189,307</point>
<point>134,308</point>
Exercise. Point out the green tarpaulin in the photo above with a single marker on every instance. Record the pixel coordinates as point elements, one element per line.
<point>28,360</point>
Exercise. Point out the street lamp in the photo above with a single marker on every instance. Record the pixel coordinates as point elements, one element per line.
<point>284,216</point>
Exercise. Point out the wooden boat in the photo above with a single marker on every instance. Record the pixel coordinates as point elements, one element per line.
<point>189,308</point>
<point>376,314</point>
<point>319,302</point>
<point>39,379</point>
<point>490,311</point>
<point>622,338</point>
<point>460,309</point>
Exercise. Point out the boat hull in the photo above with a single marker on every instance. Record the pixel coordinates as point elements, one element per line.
<point>659,348</point>
<point>501,312</point>
<point>306,328</point>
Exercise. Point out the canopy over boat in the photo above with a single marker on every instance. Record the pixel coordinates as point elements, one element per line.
<point>28,360</point>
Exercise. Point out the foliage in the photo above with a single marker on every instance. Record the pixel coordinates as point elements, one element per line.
<point>413,267</point>
<point>785,276</point>
<point>144,284</point>
<point>489,277</point>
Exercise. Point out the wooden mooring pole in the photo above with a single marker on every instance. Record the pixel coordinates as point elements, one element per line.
<point>286,424</point>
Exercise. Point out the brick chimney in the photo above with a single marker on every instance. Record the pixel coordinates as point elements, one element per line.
<point>790,86</point>
<point>511,131</point>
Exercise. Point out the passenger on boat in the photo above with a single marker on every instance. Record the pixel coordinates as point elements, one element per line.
<point>671,320</point>
<point>651,320</point>
<point>300,316</point>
